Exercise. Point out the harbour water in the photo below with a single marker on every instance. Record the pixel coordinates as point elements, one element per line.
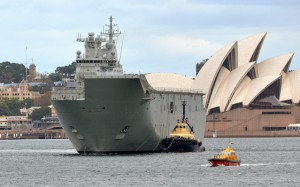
<point>265,162</point>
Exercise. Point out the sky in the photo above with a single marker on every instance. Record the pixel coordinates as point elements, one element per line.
<point>159,35</point>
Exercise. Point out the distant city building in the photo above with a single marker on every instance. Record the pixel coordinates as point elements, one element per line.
<point>20,92</point>
<point>15,122</point>
<point>53,111</point>
<point>34,76</point>
<point>3,123</point>
<point>28,111</point>
<point>47,122</point>
<point>32,72</point>
<point>37,78</point>
<point>246,98</point>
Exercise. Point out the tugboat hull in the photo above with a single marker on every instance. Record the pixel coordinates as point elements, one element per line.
<point>224,162</point>
<point>180,145</point>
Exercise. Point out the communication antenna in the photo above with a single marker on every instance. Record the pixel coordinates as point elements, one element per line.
<point>121,47</point>
<point>25,86</point>
<point>26,66</point>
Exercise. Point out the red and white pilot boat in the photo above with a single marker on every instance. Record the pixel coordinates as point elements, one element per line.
<point>226,157</point>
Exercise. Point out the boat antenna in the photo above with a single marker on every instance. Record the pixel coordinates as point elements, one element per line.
<point>184,119</point>
<point>183,110</point>
<point>121,47</point>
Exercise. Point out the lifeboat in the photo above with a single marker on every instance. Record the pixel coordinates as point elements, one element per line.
<point>226,157</point>
<point>182,138</point>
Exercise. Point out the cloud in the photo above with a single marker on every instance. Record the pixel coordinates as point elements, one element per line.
<point>159,35</point>
<point>178,45</point>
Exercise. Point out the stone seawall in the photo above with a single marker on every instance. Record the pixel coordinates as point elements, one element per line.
<point>247,134</point>
<point>33,134</point>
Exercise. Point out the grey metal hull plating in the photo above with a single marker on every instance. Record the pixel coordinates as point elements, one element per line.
<point>116,116</point>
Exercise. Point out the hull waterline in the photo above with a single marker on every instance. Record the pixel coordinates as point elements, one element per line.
<point>180,145</point>
<point>222,162</point>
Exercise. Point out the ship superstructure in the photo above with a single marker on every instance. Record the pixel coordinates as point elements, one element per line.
<point>104,110</point>
<point>100,56</point>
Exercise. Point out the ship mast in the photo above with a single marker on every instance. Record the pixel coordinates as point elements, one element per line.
<point>185,119</point>
<point>110,31</point>
<point>183,111</point>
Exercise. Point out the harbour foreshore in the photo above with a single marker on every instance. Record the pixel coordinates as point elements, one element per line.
<point>32,134</point>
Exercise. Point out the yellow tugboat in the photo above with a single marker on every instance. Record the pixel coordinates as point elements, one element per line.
<point>226,157</point>
<point>182,138</point>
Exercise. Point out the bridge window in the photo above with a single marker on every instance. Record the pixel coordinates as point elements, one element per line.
<point>171,107</point>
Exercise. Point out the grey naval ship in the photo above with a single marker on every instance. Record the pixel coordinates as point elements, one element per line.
<point>104,110</point>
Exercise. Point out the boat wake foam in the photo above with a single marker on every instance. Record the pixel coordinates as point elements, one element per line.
<point>63,151</point>
<point>269,164</point>
<point>205,165</point>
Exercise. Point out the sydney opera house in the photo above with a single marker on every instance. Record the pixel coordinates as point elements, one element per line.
<point>247,98</point>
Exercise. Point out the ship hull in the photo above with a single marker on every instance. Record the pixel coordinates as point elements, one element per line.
<point>223,162</point>
<point>116,117</point>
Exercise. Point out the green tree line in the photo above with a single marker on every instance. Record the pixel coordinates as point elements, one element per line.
<point>15,73</point>
<point>11,107</point>
<point>11,72</point>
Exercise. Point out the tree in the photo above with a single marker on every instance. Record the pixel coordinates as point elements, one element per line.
<point>4,110</point>
<point>27,103</point>
<point>65,71</point>
<point>44,100</point>
<point>55,77</point>
<point>11,72</point>
<point>42,88</point>
<point>37,114</point>
<point>10,107</point>
<point>14,106</point>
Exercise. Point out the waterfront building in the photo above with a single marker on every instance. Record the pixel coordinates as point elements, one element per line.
<point>21,127</point>
<point>247,97</point>
<point>15,123</point>
<point>3,123</point>
<point>19,92</point>
<point>46,122</point>
<point>53,111</point>
<point>32,72</point>
<point>19,122</point>
<point>28,111</point>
